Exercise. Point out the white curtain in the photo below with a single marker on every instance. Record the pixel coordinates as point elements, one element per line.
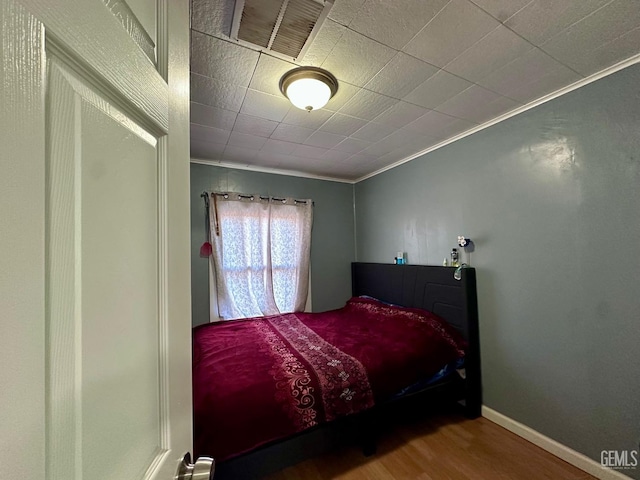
<point>261,252</point>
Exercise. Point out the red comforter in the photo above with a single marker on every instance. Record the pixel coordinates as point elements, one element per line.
<point>262,379</point>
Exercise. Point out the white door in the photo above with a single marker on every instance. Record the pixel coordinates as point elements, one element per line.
<point>95,352</point>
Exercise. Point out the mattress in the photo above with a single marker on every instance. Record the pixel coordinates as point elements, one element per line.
<point>259,380</point>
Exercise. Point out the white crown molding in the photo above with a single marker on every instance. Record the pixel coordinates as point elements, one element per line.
<point>555,448</point>
<point>275,171</point>
<point>558,93</point>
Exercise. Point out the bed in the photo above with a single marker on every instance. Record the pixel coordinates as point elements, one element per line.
<point>407,331</point>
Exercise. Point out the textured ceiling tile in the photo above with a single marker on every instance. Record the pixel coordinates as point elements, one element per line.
<point>287,162</point>
<point>350,172</point>
<point>430,143</point>
<point>477,104</point>
<point>343,11</point>
<point>278,147</point>
<point>246,140</point>
<point>291,133</point>
<point>270,158</point>
<point>298,164</point>
<point>399,138</point>
<point>363,170</point>
<point>542,85</point>
<point>342,124</point>
<point>213,18</point>
<point>209,134</point>
<point>212,116</point>
<point>458,26</point>
<point>324,139</point>
<point>574,45</point>
<point>265,159</point>
<point>321,46</point>
<point>383,161</point>
<point>400,76</point>
<point>206,150</point>
<point>367,105</point>
<point>302,118</point>
<point>498,48</point>
<point>395,23</point>
<point>239,154</point>
<point>223,60</point>
<point>356,58</point>
<point>322,170</point>
<point>542,19</point>
<point>263,105</point>
<point>463,104</point>
<point>361,158</point>
<point>401,153</point>
<point>613,52</point>
<point>586,35</point>
<point>254,125</point>
<point>443,132</point>
<point>352,145</point>
<point>410,151</point>
<point>526,75</point>
<point>345,93</point>
<point>437,90</point>
<point>433,124</point>
<point>266,77</point>
<point>400,114</point>
<point>501,9</point>
<point>534,64</point>
<point>215,93</point>
<point>390,160</point>
<point>307,151</point>
<point>381,147</point>
<point>326,170</point>
<point>336,155</point>
<point>372,132</point>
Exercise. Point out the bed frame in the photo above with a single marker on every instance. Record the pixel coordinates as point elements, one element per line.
<point>435,289</point>
<point>431,288</point>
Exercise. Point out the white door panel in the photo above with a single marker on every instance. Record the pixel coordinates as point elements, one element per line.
<point>89,34</point>
<point>93,279</point>
<point>139,19</point>
<point>119,299</point>
<point>103,286</point>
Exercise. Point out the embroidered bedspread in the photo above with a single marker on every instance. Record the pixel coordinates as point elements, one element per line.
<point>263,379</point>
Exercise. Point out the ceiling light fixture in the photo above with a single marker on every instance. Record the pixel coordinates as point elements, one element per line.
<point>308,88</point>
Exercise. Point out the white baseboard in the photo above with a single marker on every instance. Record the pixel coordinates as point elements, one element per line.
<point>555,448</point>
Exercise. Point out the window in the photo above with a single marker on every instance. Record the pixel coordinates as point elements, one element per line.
<point>260,255</point>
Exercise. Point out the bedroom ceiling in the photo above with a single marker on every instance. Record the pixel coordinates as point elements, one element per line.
<point>412,74</point>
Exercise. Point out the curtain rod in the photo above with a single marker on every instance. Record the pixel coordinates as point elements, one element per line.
<point>205,195</point>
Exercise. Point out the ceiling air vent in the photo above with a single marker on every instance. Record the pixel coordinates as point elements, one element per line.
<point>283,27</point>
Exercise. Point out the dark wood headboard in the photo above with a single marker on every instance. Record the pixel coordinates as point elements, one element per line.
<point>431,288</point>
<point>428,287</point>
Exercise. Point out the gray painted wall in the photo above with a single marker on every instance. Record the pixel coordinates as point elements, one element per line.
<point>551,198</point>
<point>332,237</point>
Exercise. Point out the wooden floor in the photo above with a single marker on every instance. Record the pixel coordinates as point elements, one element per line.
<point>446,446</point>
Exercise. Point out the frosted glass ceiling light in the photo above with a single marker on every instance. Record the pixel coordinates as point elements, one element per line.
<point>308,88</point>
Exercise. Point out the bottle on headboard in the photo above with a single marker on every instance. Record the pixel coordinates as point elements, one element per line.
<point>455,262</point>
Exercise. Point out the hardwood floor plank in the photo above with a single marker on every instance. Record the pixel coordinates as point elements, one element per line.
<point>440,447</point>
